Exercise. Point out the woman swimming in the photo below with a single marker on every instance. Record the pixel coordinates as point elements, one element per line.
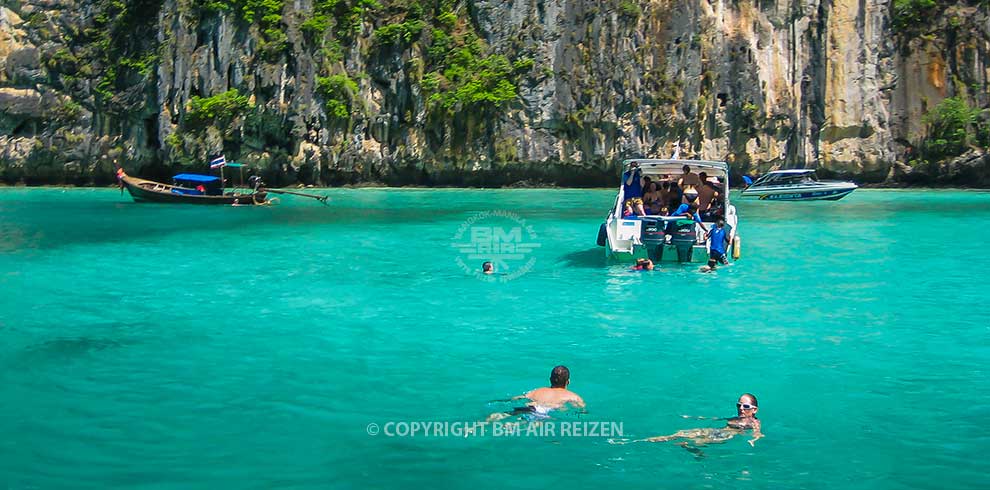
<point>744,420</point>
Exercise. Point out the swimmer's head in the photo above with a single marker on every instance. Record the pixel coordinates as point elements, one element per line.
<point>487,268</point>
<point>747,406</point>
<point>559,377</point>
<point>711,263</point>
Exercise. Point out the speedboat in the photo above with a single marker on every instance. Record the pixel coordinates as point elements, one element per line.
<point>668,238</point>
<point>796,185</point>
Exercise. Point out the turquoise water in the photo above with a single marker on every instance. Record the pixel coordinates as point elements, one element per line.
<point>162,346</point>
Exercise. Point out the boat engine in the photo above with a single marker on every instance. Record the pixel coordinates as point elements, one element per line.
<point>653,237</point>
<point>682,236</point>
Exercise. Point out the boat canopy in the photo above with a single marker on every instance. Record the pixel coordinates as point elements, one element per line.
<point>197,178</point>
<point>651,166</point>
<point>197,184</point>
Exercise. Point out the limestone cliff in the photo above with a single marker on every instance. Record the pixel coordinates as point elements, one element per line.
<point>492,92</point>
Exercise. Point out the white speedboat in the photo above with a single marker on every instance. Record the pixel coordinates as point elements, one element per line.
<point>668,238</point>
<point>796,185</point>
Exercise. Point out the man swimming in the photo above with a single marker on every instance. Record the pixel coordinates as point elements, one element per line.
<point>744,420</point>
<point>487,268</point>
<point>543,400</point>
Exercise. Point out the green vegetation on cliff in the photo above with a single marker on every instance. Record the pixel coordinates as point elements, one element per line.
<point>219,109</point>
<point>953,127</point>
<point>338,92</point>
<point>908,14</point>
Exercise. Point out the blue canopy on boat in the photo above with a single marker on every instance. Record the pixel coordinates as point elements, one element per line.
<point>196,178</point>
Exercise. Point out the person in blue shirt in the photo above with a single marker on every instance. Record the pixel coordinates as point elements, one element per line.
<point>689,211</point>
<point>718,239</point>
<point>632,182</point>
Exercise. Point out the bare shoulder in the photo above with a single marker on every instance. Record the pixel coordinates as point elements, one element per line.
<point>536,392</point>
<point>575,399</point>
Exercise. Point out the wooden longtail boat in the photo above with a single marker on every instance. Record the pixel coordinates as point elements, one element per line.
<point>188,189</point>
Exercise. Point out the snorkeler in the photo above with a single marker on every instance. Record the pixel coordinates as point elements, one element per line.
<point>744,420</point>
<point>543,400</point>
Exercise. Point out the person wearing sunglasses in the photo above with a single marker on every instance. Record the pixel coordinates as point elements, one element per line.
<point>744,420</point>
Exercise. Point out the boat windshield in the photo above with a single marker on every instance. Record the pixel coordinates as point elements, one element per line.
<point>789,178</point>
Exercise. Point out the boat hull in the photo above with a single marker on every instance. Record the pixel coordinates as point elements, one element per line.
<point>149,191</point>
<point>781,194</point>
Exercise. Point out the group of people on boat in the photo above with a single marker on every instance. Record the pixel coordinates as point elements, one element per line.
<point>691,194</point>
<point>542,401</point>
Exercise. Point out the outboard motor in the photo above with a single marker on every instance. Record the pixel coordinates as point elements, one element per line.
<point>653,237</point>
<point>682,236</point>
<point>255,182</point>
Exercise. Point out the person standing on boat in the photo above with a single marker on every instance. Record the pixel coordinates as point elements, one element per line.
<point>632,182</point>
<point>707,193</point>
<point>689,183</point>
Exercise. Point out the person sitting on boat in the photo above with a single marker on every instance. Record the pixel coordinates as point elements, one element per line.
<point>744,420</point>
<point>543,400</point>
<point>632,182</point>
<point>664,194</point>
<point>718,239</point>
<point>651,194</point>
<point>643,265</point>
<point>657,209</point>
<point>674,196</point>
<point>634,207</point>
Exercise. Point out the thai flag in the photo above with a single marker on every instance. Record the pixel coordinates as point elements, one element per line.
<point>217,162</point>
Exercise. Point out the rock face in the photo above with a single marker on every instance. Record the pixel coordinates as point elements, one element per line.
<point>487,92</point>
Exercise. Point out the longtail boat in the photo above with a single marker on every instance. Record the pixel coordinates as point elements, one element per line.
<point>188,189</point>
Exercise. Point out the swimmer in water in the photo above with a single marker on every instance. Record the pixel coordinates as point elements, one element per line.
<point>487,268</point>
<point>543,400</point>
<point>643,265</point>
<point>744,420</point>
